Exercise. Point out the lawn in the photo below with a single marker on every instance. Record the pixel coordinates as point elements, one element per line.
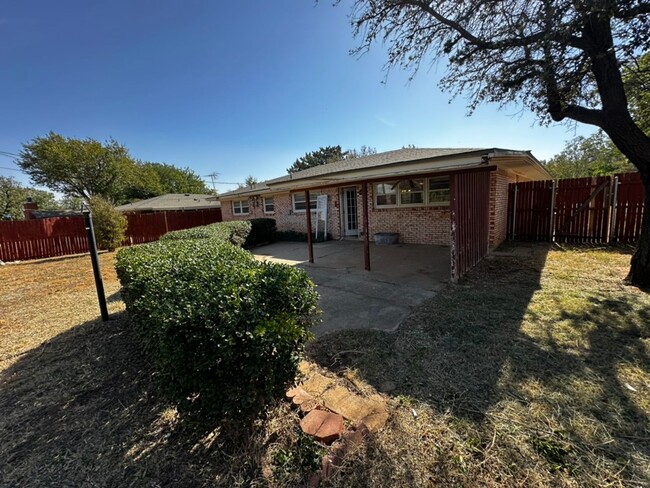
<point>533,371</point>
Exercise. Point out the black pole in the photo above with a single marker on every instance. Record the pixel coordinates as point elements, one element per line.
<point>92,247</point>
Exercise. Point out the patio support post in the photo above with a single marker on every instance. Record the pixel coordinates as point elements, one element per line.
<point>366,232</point>
<point>310,243</point>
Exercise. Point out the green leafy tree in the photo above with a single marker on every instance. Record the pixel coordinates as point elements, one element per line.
<point>76,167</point>
<point>323,155</point>
<point>109,224</point>
<point>250,181</point>
<point>588,156</point>
<point>637,84</point>
<point>13,195</point>
<point>329,154</point>
<point>562,60</point>
<point>68,202</point>
<point>178,180</point>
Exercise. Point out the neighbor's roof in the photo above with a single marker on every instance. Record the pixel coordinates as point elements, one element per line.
<point>172,201</point>
<point>394,163</point>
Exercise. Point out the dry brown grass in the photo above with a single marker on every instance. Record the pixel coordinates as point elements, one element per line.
<point>531,372</point>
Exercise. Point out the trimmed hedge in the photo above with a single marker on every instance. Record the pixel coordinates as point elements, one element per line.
<point>225,330</point>
<point>234,232</point>
<point>262,232</point>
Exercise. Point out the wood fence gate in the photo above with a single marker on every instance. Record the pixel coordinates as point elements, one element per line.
<point>593,210</point>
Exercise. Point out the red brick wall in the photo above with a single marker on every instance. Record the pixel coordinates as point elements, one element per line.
<point>499,181</point>
<point>285,217</point>
<point>415,225</point>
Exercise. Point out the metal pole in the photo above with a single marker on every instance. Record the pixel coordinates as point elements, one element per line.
<point>612,223</point>
<point>366,227</point>
<point>92,247</point>
<point>310,242</point>
<point>552,222</point>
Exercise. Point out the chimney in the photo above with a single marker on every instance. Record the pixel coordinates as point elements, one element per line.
<point>28,207</point>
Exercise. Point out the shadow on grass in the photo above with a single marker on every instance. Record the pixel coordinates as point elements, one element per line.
<point>464,352</point>
<point>83,409</point>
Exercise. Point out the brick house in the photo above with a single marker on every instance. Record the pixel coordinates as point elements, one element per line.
<point>450,197</point>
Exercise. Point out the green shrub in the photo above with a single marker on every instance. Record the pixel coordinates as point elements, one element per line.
<point>109,224</point>
<point>234,232</point>
<point>262,232</point>
<point>225,330</point>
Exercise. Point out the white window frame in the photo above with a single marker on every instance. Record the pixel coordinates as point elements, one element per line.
<point>425,184</point>
<point>264,202</point>
<point>313,199</point>
<point>238,207</point>
<point>428,191</point>
<point>396,193</point>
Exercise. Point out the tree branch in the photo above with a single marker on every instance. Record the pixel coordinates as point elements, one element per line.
<point>630,13</point>
<point>579,114</point>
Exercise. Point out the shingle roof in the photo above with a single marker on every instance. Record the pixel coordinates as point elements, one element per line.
<point>172,201</point>
<point>374,160</point>
<point>381,159</point>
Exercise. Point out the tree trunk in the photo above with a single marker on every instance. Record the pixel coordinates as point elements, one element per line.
<point>639,274</point>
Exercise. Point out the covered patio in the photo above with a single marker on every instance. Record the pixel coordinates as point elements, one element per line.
<point>402,277</point>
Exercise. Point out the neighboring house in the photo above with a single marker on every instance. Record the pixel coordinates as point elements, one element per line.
<point>172,202</point>
<point>408,192</point>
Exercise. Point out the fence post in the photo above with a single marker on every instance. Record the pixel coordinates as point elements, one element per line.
<point>612,220</point>
<point>514,212</point>
<point>551,229</point>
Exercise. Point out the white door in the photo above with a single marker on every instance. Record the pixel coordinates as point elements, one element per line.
<point>350,214</point>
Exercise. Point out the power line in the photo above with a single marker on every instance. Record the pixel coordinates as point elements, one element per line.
<point>12,169</point>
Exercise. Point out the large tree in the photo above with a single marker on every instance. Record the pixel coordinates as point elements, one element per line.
<point>85,167</point>
<point>76,167</point>
<point>588,156</point>
<point>324,155</point>
<point>561,59</point>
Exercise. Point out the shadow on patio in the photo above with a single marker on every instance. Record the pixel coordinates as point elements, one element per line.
<point>402,277</point>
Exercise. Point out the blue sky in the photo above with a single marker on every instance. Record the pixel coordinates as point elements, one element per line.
<point>238,88</point>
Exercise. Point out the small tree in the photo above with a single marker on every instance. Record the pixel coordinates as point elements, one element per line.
<point>110,224</point>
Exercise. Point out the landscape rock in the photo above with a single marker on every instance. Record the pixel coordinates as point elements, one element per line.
<point>372,412</point>
<point>317,384</point>
<point>326,427</point>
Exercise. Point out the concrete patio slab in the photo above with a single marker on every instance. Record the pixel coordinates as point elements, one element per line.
<point>402,277</point>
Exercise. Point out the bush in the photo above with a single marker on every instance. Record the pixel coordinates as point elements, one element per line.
<point>262,232</point>
<point>225,330</point>
<point>109,224</point>
<point>234,232</point>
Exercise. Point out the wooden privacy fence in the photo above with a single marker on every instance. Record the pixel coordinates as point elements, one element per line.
<point>60,236</point>
<point>603,209</point>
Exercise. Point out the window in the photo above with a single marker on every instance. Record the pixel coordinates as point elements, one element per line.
<point>299,202</point>
<point>386,194</point>
<point>411,192</point>
<point>416,192</point>
<point>240,207</point>
<point>269,205</point>
<point>439,191</point>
